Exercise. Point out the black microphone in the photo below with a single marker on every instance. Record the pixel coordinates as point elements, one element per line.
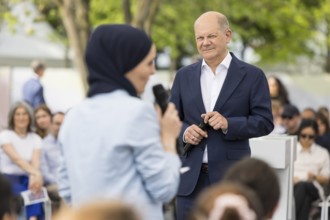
<point>188,146</point>
<point>161,96</point>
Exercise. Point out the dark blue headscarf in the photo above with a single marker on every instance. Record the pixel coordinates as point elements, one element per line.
<point>112,51</point>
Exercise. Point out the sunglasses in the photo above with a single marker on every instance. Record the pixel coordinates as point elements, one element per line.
<point>307,136</point>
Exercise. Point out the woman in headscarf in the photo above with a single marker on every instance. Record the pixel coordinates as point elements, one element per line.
<point>113,143</point>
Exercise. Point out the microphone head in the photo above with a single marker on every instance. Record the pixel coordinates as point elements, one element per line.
<point>161,96</point>
<point>159,88</point>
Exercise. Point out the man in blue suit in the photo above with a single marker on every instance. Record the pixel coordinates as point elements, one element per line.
<point>33,91</point>
<point>230,96</point>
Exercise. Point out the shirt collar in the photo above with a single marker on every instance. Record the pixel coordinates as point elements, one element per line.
<point>225,62</point>
<point>309,150</point>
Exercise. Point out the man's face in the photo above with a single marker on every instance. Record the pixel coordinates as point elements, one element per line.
<point>43,119</point>
<point>291,123</point>
<point>56,123</point>
<point>41,72</point>
<point>210,40</point>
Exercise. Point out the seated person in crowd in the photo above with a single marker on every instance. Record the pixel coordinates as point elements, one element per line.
<point>278,91</point>
<point>260,177</point>
<point>323,138</point>
<point>325,111</point>
<point>277,109</point>
<point>308,113</point>
<point>311,169</point>
<point>51,150</point>
<point>7,200</point>
<point>227,201</point>
<point>20,151</point>
<point>42,115</point>
<point>50,160</point>
<point>291,119</point>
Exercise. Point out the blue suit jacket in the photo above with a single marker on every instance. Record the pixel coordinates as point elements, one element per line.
<point>244,101</point>
<point>33,92</point>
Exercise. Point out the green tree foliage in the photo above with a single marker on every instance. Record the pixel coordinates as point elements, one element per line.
<point>105,12</point>
<point>173,27</point>
<point>321,14</point>
<point>277,30</point>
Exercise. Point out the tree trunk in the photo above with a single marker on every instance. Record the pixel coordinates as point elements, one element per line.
<point>127,11</point>
<point>327,61</point>
<point>76,22</point>
<point>145,14</point>
<point>327,58</point>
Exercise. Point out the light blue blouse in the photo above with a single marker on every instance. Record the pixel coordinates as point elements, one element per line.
<point>50,158</point>
<point>112,149</point>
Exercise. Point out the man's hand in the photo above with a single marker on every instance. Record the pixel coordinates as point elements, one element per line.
<point>216,121</point>
<point>193,135</point>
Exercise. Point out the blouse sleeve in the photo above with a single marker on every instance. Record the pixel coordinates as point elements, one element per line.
<point>4,137</point>
<point>159,170</point>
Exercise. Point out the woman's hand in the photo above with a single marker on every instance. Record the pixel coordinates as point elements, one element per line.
<point>35,182</point>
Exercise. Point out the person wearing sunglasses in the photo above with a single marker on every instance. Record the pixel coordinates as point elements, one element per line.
<point>311,169</point>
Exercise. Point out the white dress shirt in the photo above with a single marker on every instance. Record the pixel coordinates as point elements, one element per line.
<point>50,161</point>
<point>211,85</point>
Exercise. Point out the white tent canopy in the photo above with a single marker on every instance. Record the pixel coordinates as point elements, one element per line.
<point>29,40</point>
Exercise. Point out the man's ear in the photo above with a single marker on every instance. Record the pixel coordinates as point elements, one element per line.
<point>229,35</point>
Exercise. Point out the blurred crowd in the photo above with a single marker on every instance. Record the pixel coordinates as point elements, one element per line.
<point>288,118</point>
<point>311,126</point>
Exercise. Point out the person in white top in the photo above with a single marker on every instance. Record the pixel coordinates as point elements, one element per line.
<point>311,169</point>
<point>20,155</point>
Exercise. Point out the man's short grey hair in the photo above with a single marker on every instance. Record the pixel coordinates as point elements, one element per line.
<point>223,22</point>
<point>37,65</point>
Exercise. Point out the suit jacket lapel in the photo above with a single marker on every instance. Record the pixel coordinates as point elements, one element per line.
<point>233,78</point>
<point>195,87</point>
